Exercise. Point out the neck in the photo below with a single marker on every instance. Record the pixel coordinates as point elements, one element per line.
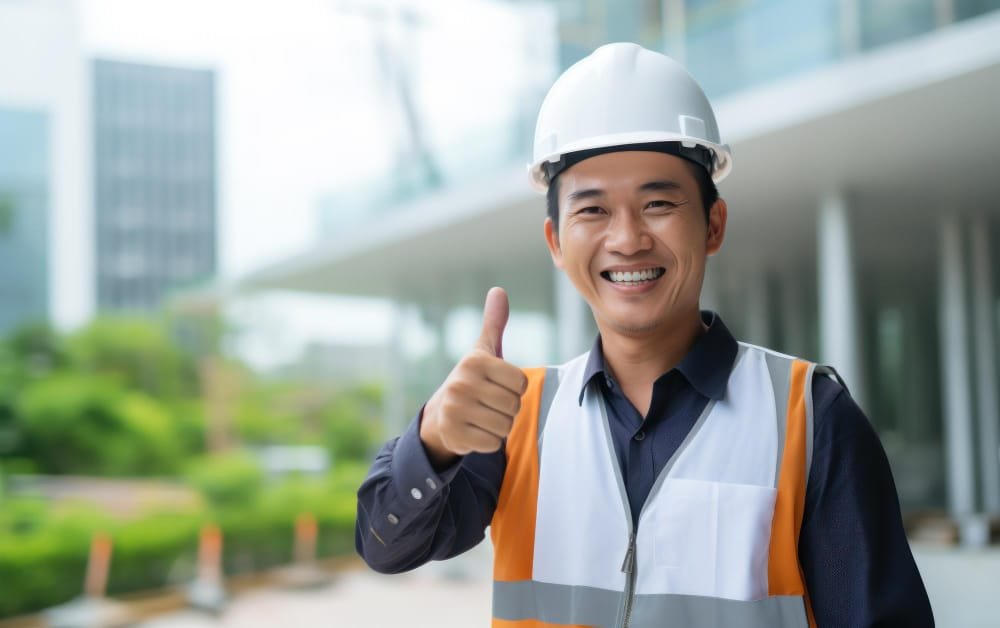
<point>637,360</point>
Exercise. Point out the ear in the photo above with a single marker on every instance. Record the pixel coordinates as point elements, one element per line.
<point>552,240</point>
<point>717,217</point>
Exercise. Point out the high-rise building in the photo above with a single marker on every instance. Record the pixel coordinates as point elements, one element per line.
<point>155,181</point>
<point>45,248</point>
<point>24,217</point>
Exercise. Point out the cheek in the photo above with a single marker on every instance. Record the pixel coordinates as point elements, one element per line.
<point>577,243</point>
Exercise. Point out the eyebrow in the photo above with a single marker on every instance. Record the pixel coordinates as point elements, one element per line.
<point>662,185</point>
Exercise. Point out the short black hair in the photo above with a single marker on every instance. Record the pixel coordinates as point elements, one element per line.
<point>709,193</point>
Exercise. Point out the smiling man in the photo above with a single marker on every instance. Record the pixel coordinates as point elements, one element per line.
<point>670,476</point>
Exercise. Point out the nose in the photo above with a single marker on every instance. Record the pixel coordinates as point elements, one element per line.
<point>627,235</point>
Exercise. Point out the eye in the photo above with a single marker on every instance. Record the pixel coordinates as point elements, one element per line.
<point>594,209</point>
<point>660,204</point>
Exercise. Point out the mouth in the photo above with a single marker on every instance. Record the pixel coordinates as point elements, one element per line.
<point>633,277</point>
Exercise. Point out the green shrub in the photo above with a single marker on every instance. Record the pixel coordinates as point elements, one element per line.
<point>229,479</point>
<point>74,423</point>
<point>43,552</point>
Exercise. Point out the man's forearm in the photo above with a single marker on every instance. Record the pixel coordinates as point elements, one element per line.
<point>408,513</point>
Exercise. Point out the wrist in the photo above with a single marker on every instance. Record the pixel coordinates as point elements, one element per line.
<point>440,456</point>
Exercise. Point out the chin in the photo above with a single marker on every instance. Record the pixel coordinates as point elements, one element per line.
<point>635,327</point>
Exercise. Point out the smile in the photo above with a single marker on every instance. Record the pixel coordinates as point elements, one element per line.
<point>635,277</point>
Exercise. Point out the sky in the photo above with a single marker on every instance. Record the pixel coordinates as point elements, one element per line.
<point>302,111</point>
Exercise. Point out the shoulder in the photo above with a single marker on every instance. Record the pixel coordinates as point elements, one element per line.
<point>837,416</point>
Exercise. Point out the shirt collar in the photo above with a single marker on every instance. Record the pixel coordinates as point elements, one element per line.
<point>706,366</point>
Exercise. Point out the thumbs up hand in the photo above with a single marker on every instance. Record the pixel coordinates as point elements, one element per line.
<point>474,408</point>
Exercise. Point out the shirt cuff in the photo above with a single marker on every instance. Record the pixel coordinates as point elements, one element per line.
<point>416,482</point>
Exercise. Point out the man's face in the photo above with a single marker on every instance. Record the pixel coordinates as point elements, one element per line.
<point>632,212</point>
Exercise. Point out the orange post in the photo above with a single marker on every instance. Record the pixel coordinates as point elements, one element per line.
<point>210,554</point>
<point>98,565</point>
<point>305,538</point>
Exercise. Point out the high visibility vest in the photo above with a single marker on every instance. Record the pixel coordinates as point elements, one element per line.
<point>716,543</point>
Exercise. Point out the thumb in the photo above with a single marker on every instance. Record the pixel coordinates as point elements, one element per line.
<point>495,313</point>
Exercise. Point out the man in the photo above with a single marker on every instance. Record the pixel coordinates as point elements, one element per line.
<point>671,476</point>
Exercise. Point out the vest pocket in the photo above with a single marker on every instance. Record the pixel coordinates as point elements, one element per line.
<point>711,539</point>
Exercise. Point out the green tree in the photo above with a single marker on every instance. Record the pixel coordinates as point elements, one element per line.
<point>8,212</point>
<point>76,423</point>
<point>350,422</point>
<point>138,352</point>
<point>231,479</point>
<point>32,350</point>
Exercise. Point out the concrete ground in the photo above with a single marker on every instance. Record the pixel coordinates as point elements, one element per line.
<point>455,594</point>
<point>357,600</point>
<point>964,586</point>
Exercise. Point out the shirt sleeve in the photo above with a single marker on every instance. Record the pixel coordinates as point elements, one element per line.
<point>409,514</point>
<point>855,557</point>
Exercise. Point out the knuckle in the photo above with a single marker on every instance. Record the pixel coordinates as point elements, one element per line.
<point>489,444</point>
<point>450,408</point>
<point>459,388</point>
<point>515,406</point>
<point>473,361</point>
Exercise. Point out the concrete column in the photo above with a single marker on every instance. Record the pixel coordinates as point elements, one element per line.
<point>849,26</point>
<point>838,308</point>
<point>437,317</point>
<point>986,366</point>
<point>944,12</point>
<point>673,28</point>
<point>757,316</point>
<point>394,412</point>
<point>711,295</point>
<point>793,320</point>
<point>956,395</point>
<point>571,319</point>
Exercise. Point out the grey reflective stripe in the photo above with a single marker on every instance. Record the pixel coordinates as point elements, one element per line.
<point>556,603</point>
<point>566,604</point>
<point>740,352</point>
<point>549,387</point>
<point>694,611</point>
<point>780,369</point>
<point>809,417</point>
<point>684,445</point>
<point>614,457</point>
<point>831,372</point>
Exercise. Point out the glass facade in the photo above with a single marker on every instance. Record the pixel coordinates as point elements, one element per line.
<point>24,217</point>
<point>155,181</point>
<point>730,45</point>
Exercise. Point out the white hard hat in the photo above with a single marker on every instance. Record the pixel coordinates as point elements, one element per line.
<point>623,95</point>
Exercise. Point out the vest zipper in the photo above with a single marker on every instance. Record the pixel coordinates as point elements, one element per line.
<point>628,568</point>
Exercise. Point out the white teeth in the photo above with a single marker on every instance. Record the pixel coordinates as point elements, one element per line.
<point>633,276</point>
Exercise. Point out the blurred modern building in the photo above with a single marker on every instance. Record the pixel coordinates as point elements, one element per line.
<point>337,362</point>
<point>864,205</point>
<point>44,166</point>
<point>155,181</point>
<point>24,217</point>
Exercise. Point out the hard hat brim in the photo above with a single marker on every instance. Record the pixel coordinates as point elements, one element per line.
<point>722,154</point>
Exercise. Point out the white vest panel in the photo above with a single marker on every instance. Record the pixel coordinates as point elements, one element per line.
<point>705,527</point>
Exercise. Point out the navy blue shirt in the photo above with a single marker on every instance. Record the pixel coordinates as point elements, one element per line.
<point>857,563</point>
